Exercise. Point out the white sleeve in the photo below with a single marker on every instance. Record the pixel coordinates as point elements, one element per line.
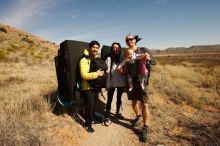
<point>108,63</point>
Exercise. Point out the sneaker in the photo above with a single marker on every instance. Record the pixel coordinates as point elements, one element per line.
<point>107,122</point>
<point>90,129</point>
<point>119,115</point>
<point>136,121</point>
<point>143,137</point>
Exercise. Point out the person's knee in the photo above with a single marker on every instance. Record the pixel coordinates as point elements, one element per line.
<point>134,104</point>
<point>144,105</point>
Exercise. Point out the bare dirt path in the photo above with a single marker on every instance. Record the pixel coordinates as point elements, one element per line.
<point>119,133</point>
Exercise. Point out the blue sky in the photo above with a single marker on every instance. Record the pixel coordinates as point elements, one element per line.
<point>161,23</point>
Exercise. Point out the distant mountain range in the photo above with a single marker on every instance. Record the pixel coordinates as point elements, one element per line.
<point>192,49</point>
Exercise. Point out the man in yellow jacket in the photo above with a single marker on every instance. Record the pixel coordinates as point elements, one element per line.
<point>89,93</point>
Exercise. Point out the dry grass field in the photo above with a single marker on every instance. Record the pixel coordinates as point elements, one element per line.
<point>184,99</point>
<point>27,81</point>
<point>184,108</point>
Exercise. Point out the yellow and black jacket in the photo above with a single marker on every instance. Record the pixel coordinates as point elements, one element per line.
<point>84,66</point>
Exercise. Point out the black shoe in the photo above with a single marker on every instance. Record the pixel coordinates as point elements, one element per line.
<point>144,133</point>
<point>107,122</point>
<point>119,115</point>
<point>90,129</point>
<point>136,121</point>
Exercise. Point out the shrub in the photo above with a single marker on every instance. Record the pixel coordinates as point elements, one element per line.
<point>2,29</point>
<point>25,39</point>
<point>2,55</point>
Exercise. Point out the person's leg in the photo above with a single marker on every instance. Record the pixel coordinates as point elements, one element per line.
<point>119,95</point>
<point>109,101</point>
<point>110,93</point>
<point>96,96</point>
<point>135,107</point>
<point>145,113</point>
<point>141,80</point>
<point>89,105</point>
<point>130,82</point>
<point>119,102</point>
<point>138,119</point>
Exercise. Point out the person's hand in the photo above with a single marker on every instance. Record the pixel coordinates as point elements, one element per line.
<point>120,70</point>
<point>127,59</point>
<point>147,56</point>
<point>100,73</point>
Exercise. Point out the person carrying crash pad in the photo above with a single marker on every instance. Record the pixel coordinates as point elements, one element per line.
<point>90,94</point>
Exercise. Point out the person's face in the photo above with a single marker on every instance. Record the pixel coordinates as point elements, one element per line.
<point>115,49</point>
<point>130,41</point>
<point>128,54</point>
<point>94,50</point>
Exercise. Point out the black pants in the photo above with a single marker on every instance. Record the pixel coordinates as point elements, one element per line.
<point>90,97</point>
<point>109,100</point>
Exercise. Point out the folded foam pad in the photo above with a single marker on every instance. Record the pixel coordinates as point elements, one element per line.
<point>105,52</point>
<point>66,64</point>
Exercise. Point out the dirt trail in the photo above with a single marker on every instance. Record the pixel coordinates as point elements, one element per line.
<point>119,133</point>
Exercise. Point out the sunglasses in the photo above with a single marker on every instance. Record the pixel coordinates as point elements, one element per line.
<point>131,39</point>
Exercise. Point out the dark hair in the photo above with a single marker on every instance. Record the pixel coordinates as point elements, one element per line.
<point>92,43</point>
<point>115,57</point>
<point>116,43</point>
<point>137,38</point>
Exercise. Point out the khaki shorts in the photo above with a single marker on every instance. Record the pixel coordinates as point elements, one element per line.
<point>137,93</point>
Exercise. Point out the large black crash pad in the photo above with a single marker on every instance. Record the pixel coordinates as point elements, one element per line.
<point>105,52</point>
<point>66,64</point>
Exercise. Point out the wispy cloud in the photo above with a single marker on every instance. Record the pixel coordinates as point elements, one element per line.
<point>73,16</point>
<point>22,12</point>
<point>161,1</point>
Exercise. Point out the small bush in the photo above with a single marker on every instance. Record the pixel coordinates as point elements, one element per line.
<point>2,55</point>
<point>40,55</point>
<point>14,48</point>
<point>2,29</point>
<point>25,39</point>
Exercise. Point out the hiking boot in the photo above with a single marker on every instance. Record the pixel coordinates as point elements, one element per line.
<point>136,121</point>
<point>107,122</point>
<point>119,115</point>
<point>90,129</point>
<point>143,137</point>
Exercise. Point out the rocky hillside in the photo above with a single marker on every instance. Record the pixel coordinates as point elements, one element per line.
<point>16,46</point>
